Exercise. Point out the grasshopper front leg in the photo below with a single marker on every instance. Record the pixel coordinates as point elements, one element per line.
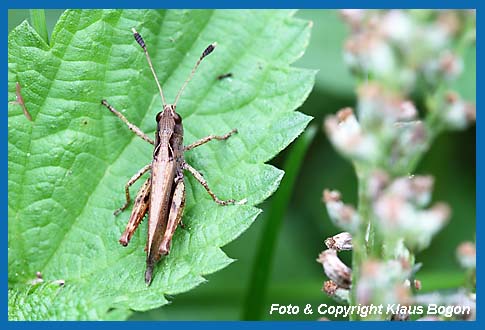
<point>174,217</point>
<point>140,208</point>
<point>131,126</point>
<point>209,138</point>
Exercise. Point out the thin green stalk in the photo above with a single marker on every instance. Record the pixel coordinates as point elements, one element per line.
<point>363,248</point>
<point>360,248</point>
<point>358,256</point>
<point>37,18</point>
<point>254,304</point>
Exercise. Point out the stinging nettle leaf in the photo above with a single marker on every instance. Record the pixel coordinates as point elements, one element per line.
<point>67,168</point>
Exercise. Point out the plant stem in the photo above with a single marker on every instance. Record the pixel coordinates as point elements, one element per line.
<point>357,258</point>
<point>254,304</point>
<point>360,246</point>
<point>37,17</point>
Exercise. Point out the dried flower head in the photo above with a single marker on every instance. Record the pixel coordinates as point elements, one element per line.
<point>450,65</point>
<point>335,269</point>
<point>346,135</point>
<point>466,254</point>
<point>333,290</point>
<point>415,189</point>
<point>378,180</point>
<point>329,287</point>
<point>449,21</point>
<point>340,242</point>
<point>353,17</point>
<point>378,106</point>
<point>369,52</point>
<point>342,215</point>
<point>410,138</point>
<point>457,113</point>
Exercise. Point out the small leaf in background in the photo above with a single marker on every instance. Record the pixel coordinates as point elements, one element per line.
<point>68,167</point>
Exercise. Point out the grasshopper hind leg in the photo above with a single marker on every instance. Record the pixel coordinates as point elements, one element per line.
<point>174,218</point>
<point>140,208</point>
<point>196,174</point>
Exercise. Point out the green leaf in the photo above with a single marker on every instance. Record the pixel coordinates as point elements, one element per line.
<point>67,168</point>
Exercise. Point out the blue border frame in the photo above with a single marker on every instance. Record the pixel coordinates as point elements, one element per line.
<point>241,4</point>
<point>302,4</point>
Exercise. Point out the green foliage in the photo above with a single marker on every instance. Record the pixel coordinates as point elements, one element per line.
<point>325,53</point>
<point>68,167</point>
<point>254,306</point>
<point>37,17</point>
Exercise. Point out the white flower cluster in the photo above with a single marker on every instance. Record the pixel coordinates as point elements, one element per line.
<point>392,53</point>
<point>342,215</point>
<point>386,132</point>
<point>398,207</point>
<point>457,113</point>
<point>399,47</point>
<point>400,213</point>
<point>384,282</point>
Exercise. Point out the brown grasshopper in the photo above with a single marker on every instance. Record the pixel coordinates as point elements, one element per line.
<point>163,193</point>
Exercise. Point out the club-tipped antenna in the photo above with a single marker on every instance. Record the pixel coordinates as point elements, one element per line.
<point>206,52</point>
<point>140,41</point>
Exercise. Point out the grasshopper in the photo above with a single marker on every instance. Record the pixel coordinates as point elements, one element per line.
<point>163,193</point>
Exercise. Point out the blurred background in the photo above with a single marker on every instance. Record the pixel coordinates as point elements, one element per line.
<point>296,278</point>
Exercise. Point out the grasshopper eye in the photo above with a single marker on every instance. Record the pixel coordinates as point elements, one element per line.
<point>159,115</point>
<point>177,118</point>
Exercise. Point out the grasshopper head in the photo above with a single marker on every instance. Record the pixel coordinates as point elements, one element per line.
<point>169,110</point>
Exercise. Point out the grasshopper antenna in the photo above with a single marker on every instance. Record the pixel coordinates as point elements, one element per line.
<point>140,41</point>
<point>206,52</point>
